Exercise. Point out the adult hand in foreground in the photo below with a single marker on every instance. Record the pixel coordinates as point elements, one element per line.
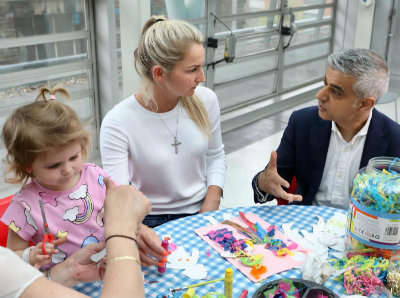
<point>124,209</point>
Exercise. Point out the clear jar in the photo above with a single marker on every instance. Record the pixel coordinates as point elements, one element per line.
<point>373,219</point>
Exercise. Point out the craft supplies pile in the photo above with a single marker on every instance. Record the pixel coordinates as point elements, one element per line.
<point>374,211</point>
<point>372,234</point>
<point>259,250</point>
<point>255,247</point>
<point>360,250</point>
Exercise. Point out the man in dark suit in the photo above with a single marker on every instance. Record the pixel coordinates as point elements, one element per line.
<point>325,146</point>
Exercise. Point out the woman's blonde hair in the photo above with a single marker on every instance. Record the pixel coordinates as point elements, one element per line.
<point>37,127</point>
<point>164,42</point>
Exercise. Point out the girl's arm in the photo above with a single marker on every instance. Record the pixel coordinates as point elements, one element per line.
<point>36,256</point>
<point>16,243</point>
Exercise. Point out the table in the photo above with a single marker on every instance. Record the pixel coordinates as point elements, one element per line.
<point>183,235</point>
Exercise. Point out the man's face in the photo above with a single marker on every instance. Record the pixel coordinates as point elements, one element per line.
<point>337,100</point>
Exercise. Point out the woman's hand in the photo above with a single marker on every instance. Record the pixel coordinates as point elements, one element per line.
<point>212,199</point>
<point>150,245</point>
<point>78,267</point>
<point>124,209</point>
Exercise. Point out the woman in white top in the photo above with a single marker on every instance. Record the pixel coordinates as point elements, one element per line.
<point>166,138</point>
<point>124,210</point>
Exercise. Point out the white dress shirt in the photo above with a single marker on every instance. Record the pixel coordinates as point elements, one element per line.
<point>342,164</point>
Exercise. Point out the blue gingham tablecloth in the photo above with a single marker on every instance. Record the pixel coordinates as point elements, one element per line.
<point>182,233</point>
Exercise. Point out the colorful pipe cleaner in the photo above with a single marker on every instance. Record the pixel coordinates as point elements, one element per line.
<point>362,282</point>
<point>378,265</point>
<point>364,276</point>
<point>378,190</point>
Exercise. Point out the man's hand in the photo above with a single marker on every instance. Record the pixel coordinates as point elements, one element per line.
<point>270,181</point>
<point>150,245</point>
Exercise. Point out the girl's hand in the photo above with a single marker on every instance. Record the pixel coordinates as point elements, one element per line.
<point>36,256</point>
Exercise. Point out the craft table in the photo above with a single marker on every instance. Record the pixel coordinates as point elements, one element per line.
<point>182,233</point>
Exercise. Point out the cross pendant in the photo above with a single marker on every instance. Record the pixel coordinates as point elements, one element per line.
<point>176,143</point>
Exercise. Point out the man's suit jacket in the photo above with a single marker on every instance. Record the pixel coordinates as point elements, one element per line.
<point>304,147</point>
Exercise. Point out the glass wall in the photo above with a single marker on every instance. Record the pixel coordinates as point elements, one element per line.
<point>267,62</point>
<point>46,43</point>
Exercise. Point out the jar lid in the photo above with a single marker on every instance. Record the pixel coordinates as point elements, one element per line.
<point>377,164</point>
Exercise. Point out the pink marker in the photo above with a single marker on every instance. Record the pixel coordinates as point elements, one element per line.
<point>244,294</point>
<point>164,244</point>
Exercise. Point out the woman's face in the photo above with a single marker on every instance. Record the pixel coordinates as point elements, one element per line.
<point>188,73</point>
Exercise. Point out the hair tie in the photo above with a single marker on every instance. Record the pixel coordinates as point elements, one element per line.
<point>159,20</point>
<point>52,97</point>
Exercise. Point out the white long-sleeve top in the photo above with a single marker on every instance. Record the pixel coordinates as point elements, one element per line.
<point>136,148</point>
<point>15,275</point>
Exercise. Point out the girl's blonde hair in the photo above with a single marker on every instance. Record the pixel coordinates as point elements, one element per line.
<point>164,42</point>
<point>37,127</point>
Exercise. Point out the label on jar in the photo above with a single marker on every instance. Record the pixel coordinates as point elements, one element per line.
<point>373,228</point>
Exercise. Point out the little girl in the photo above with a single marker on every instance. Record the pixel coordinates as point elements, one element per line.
<point>46,149</point>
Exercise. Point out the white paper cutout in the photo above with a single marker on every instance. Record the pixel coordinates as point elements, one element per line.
<point>324,236</point>
<point>338,254</point>
<point>211,219</point>
<point>227,254</point>
<point>197,271</point>
<point>181,259</point>
<point>227,215</point>
<point>98,256</point>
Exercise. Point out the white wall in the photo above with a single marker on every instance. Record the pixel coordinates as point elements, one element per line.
<point>354,23</point>
<point>133,15</point>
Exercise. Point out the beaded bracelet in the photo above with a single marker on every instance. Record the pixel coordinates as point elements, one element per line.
<point>122,236</point>
<point>47,274</point>
<point>132,258</point>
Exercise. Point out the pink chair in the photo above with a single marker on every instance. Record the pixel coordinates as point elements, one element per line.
<point>3,228</point>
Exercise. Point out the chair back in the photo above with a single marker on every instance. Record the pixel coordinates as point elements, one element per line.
<point>3,228</point>
<point>292,189</point>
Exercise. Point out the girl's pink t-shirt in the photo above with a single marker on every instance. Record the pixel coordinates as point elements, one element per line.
<point>76,213</point>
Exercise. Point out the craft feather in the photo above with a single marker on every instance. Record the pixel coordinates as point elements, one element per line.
<point>245,231</point>
<point>255,227</point>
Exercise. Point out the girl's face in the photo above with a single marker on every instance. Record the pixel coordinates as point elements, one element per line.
<point>58,168</point>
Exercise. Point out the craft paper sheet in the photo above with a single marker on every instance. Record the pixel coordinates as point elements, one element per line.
<point>273,263</point>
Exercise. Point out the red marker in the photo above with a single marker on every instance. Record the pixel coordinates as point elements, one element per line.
<point>244,294</point>
<point>164,244</point>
